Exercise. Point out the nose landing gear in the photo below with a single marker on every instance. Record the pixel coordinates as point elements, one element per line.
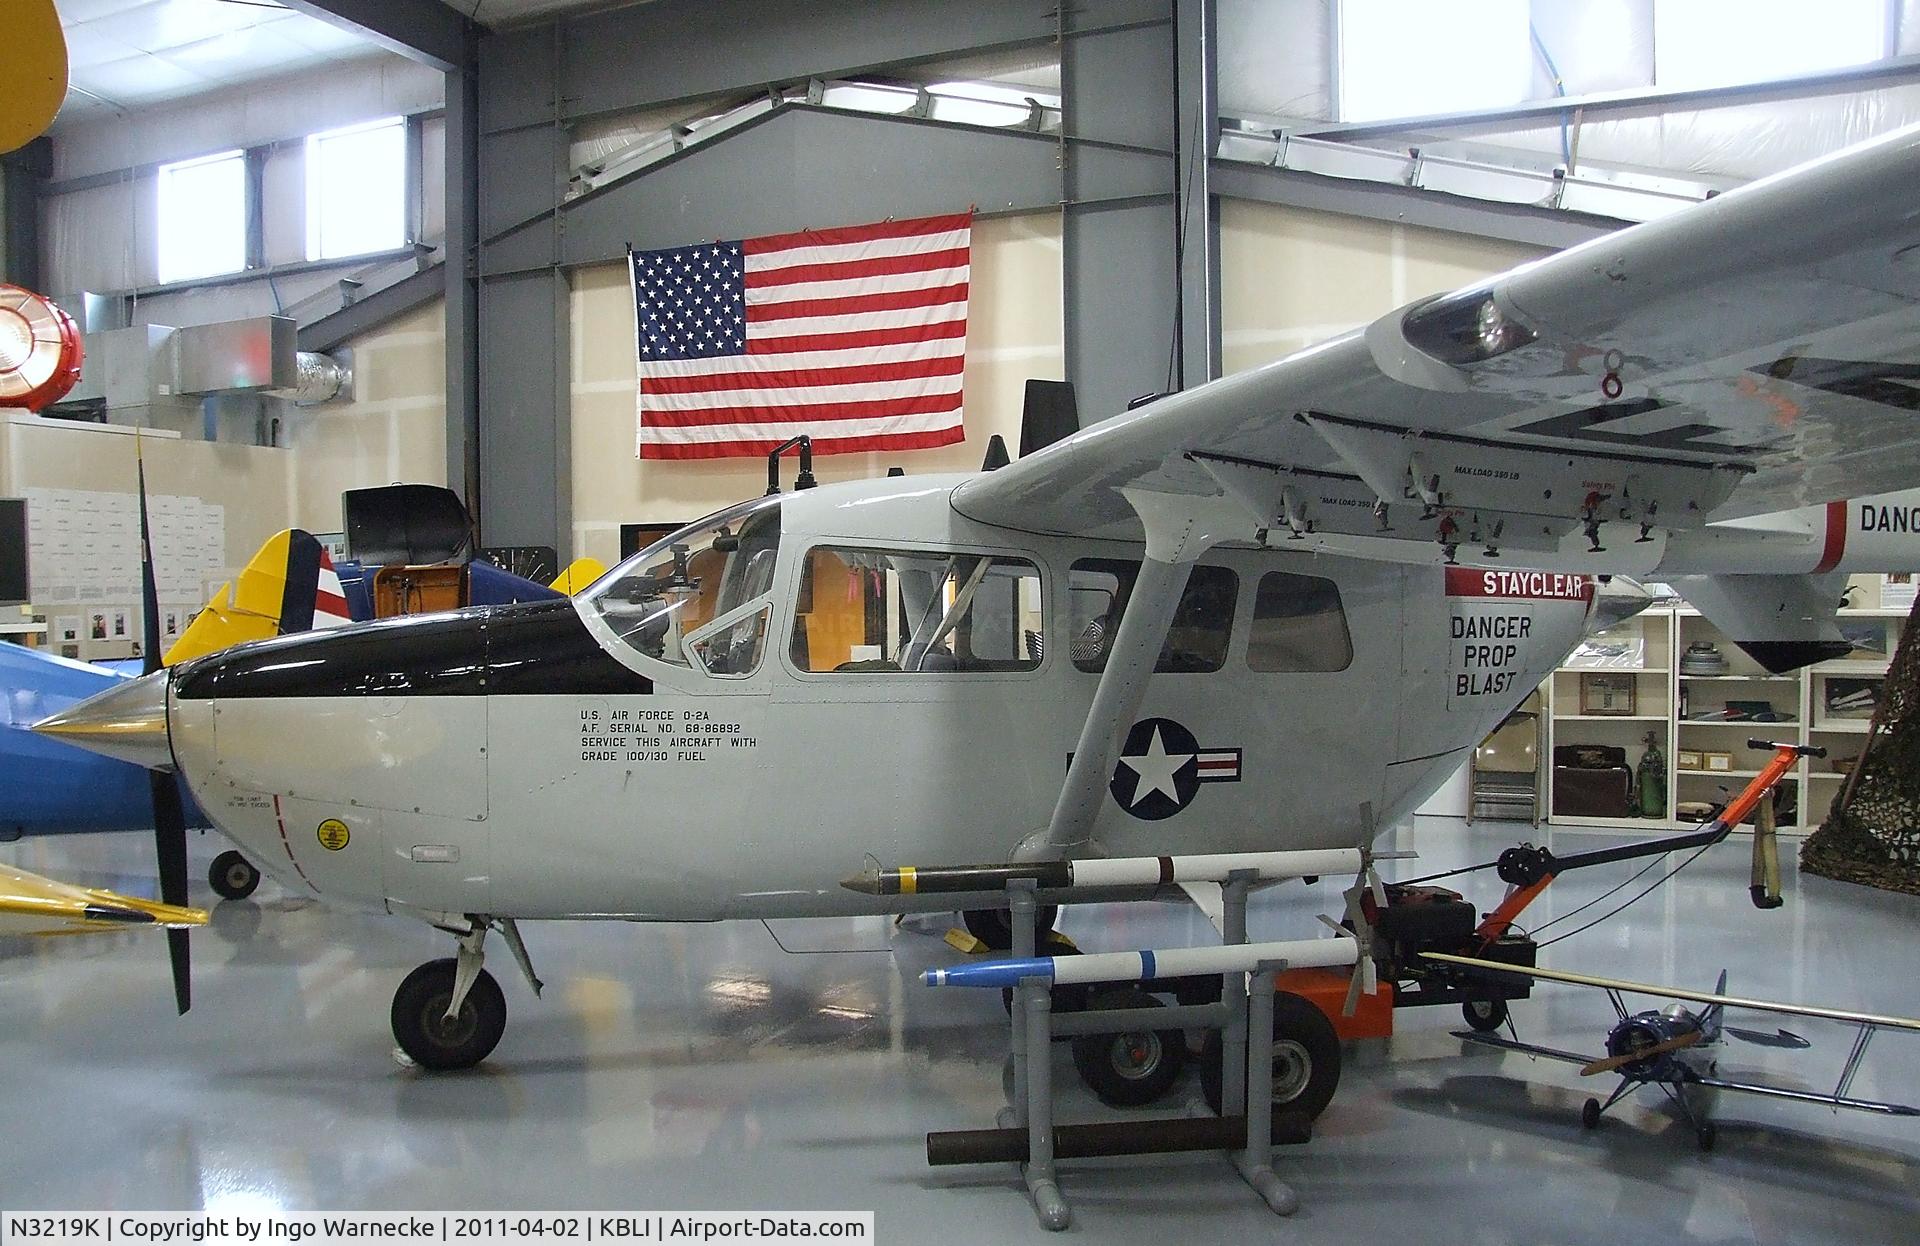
<point>449,1014</point>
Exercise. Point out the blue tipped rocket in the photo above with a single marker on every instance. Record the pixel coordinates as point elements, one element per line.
<point>1141,966</point>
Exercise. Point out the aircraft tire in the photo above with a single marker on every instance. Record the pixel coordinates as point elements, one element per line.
<point>1705,1136</point>
<point>232,876</point>
<point>1306,1058</point>
<point>1590,1114</point>
<point>1132,1069</point>
<point>421,1027</point>
<point>994,927</point>
<point>1485,1015</point>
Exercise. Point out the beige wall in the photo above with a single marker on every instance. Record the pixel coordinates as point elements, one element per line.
<point>1013,333</point>
<point>394,429</point>
<point>1290,278</point>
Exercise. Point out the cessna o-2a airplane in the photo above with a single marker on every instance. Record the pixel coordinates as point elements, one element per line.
<point>1272,611</point>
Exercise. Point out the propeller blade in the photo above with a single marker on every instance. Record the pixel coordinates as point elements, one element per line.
<point>1779,1038</point>
<point>1610,1063</point>
<point>169,818</point>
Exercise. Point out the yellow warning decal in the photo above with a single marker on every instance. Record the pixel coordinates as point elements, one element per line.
<point>333,834</point>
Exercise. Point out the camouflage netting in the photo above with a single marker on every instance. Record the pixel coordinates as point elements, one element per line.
<point>1872,833</point>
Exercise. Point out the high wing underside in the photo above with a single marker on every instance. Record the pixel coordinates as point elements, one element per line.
<point>1754,354</point>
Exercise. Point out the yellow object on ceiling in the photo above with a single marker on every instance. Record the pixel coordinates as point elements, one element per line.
<point>33,71</point>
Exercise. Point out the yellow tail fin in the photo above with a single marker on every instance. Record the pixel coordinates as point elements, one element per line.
<point>579,573</point>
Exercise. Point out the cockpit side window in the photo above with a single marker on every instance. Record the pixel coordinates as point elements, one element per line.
<point>708,571</point>
<point>912,611</point>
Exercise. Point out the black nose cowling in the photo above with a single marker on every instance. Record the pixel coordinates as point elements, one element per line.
<point>535,647</point>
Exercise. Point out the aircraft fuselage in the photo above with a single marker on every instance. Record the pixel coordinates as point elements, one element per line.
<point>539,762</point>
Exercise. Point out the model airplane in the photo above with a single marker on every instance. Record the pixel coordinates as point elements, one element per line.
<point>1675,1048</point>
<point>1242,617</point>
<point>31,904</point>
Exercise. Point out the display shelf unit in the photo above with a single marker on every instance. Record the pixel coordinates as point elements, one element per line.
<point>1827,704</point>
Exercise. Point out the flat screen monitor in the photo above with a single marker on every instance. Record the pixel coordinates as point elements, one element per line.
<point>14,589</point>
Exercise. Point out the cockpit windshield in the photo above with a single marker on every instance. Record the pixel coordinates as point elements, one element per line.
<point>700,597</point>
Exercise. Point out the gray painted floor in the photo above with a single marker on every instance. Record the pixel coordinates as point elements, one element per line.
<point>697,1067</point>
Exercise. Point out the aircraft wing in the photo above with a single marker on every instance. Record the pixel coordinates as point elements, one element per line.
<point>31,904</point>
<point>1753,354</point>
<point>1809,1096</point>
<point>1681,993</point>
<point>1530,1049</point>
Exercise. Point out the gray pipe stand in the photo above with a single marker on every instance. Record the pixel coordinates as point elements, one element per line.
<point>1244,1017</point>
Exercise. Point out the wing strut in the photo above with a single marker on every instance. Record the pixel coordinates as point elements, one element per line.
<point>1180,529</point>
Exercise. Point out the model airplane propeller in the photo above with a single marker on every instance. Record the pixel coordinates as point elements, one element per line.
<point>1673,1048</point>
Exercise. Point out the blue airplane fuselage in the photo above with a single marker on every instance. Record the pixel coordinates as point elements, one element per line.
<point>50,788</point>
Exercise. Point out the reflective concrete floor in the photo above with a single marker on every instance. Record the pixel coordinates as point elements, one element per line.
<point>705,1067</point>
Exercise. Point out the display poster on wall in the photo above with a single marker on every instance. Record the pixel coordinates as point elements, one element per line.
<point>84,547</point>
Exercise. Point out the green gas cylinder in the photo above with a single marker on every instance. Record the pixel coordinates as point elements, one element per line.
<point>1650,781</point>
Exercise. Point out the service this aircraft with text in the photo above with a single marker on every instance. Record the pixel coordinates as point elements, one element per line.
<point>1273,611</point>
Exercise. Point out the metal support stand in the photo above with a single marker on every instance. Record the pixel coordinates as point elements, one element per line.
<point>1028,1131</point>
<point>1256,1162</point>
<point>1021,909</point>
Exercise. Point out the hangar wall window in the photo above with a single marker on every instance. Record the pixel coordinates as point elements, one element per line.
<point>877,610</point>
<point>1298,625</point>
<point>357,189</point>
<point>1409,58</point>
<point>1711,43</point>
<point>203,217</point>
<point>1197,638</point>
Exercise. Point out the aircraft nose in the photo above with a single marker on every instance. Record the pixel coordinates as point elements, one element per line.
<point>128,722</point>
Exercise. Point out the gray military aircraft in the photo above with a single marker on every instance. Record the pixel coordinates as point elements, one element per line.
<point>1273,611</point>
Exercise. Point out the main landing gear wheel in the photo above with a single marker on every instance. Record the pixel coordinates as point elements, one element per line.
<point>1590,1114</point>
<point>1306,1059</point>
<point>233,876</point>
<point>1131,1069</point>
<point>436,1041</point>
<point>994,927</point>
<point>1485,1015</point>
<point>1705,1136</point>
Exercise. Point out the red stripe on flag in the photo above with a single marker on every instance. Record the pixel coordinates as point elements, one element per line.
<point>798,413</point>
<point>849,270</point>
<point>892,300</point>
<point>952,365</point>
<point>857,233</point>
<point>331,603</point>
<point>857,340</point>
<point>880,442</point>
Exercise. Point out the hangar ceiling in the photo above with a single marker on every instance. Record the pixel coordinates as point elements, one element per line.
<point>123,54</point>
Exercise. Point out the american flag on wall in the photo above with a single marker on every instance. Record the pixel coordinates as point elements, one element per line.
<point>856,336</point>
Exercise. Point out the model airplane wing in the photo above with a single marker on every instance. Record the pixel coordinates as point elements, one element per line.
<point>1753,354</point>
<point>1681,993</point>
<point>1530,1049</point>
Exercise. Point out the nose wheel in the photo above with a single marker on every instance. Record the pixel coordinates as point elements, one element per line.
<point>232,876</point>
<point>449,1014</point>
<point>441,1038</point>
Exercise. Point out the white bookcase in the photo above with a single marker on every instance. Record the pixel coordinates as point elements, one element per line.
<point>1828,704</point>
